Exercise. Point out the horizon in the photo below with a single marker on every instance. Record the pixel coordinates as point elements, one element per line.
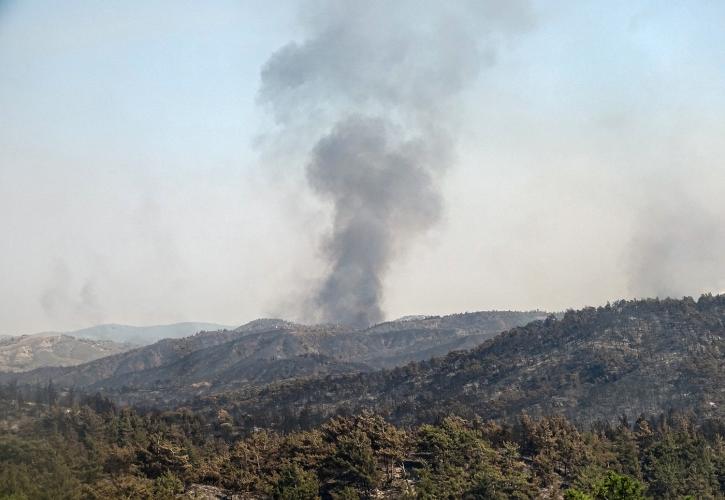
<point>155,166</point>
<point>404,318</point>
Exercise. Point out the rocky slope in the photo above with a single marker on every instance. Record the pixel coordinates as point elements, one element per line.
<point>628,358</point>
<point>28,352</point>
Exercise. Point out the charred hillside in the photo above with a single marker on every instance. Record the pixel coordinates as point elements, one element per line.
<point>269,351</point>
<point>631,357</point>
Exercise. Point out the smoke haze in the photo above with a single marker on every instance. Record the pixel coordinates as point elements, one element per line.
<point>677,248</point>
<point>222,161</point>
<point>382,77</point>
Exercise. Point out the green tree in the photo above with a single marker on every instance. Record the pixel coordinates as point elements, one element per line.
<point>167,486</point>
<point>613,486</point>
<point>574,494</point>
<point>295,483</point>
<point>352,464</point>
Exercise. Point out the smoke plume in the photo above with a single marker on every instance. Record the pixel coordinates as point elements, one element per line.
<point>374,85</point>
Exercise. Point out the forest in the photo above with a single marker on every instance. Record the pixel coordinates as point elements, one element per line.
<point>71,446</point>
<point>629,357</point>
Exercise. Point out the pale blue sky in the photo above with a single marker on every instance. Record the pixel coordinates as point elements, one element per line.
<point>137,186</point>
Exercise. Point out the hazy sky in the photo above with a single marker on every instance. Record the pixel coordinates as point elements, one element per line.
<point>142,181</point>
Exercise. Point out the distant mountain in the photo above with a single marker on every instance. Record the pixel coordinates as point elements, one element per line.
<point>269,350</point>
<point>646,356</point>
<point>142,335</point>
<point>28,352</point>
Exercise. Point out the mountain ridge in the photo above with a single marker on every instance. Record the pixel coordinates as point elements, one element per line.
<point>630,357</point>
<point>177,369</point>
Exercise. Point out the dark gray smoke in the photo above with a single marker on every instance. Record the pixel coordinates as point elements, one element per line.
<point>383,193</point>
<point>374,85</point>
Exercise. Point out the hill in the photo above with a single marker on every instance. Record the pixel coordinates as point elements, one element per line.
<point>266,351</point>
<point>140,335</point>
<point>645,356</point>
<point>28,352</point>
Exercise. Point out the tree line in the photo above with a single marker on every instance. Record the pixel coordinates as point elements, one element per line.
<point>85,447</point>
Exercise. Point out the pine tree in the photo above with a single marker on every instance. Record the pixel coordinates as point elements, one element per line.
<point>294,483</point>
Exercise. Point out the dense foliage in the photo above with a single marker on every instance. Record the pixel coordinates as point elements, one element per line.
<point>65,448</point>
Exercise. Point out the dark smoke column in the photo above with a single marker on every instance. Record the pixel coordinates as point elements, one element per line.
<point>374,85</point>
<point>382,192</point>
